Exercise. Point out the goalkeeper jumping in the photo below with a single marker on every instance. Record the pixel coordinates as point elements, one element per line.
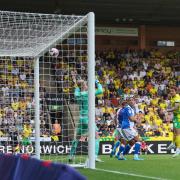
<point>81,96</point>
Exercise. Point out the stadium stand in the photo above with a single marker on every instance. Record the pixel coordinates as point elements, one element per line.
<point>17,100</point>
<point>143,74</point>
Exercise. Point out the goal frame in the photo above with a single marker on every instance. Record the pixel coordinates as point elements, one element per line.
<point>90,20</point>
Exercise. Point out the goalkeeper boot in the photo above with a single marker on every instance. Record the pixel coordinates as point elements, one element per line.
<point>71,159</point>
<point>99,160</point>
<point>171,146</point>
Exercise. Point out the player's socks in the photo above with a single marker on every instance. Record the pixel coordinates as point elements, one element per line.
<point>97,147</point>
<point>117,144</point>
<point>113,152</point>
<point>120,152</point>
<point>127,149</point>
<point>97,150</point>
<point>171,146</point>
<point>177,141</point>
<point>137,147</point>
<point>73,149</point>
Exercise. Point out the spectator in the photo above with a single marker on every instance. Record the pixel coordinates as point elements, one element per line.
<point>144,147</point>
<point>56,128</point>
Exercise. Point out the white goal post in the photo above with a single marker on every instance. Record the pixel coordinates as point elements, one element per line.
<point>37,91</point>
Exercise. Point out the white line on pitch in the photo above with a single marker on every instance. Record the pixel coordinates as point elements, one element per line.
<point>131,174</point>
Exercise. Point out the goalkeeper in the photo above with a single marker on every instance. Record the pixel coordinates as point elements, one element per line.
<point>81,96</point>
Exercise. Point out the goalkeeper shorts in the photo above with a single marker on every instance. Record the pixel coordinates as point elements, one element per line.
<point>82,128</point>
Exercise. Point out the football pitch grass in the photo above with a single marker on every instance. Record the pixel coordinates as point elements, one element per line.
<point>156,167</point>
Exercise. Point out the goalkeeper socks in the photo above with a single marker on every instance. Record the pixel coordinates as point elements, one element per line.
<point>127,149</point>
<point>97,147</point>
<point>116,145</point>
<point>73,147</point>
<point>137,147</point>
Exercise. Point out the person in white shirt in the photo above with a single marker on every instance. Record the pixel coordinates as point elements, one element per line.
<point>5,90</point>
<point>98,111</point>
<point>146,126</point>
<point>22,76</point>
<point>142,73</point>
<point>145,64</point>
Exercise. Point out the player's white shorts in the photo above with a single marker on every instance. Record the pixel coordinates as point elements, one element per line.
<point>129,133</point>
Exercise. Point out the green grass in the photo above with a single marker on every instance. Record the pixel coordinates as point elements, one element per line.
<point>160,166</point>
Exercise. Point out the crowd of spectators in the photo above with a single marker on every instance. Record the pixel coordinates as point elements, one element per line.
<point>17,98</point>
<point>144,74</point>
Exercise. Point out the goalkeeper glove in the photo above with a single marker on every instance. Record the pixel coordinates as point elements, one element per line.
<point>96,81</point>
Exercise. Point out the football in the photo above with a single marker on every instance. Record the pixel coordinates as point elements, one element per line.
<point>54,52</point>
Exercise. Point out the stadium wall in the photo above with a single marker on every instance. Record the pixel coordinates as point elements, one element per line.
<point>155,33</point>
<point>151,34</point>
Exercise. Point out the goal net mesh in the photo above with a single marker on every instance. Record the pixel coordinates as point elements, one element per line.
<point>23,38</point>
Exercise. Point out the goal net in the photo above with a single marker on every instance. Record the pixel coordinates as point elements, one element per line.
<point>43,59</point>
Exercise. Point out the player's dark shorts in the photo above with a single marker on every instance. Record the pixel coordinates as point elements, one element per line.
<point>176,122</point>
<point>26,142</point>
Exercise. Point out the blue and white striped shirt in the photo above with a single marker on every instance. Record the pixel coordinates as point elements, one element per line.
<point>127,112</point>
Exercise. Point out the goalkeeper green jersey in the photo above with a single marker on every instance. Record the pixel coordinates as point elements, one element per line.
<point>82,98</point>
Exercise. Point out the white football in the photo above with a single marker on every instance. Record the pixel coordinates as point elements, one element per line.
<point>54,52</point>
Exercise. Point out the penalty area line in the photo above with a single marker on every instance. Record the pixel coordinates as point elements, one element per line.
<point>131,174</point>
